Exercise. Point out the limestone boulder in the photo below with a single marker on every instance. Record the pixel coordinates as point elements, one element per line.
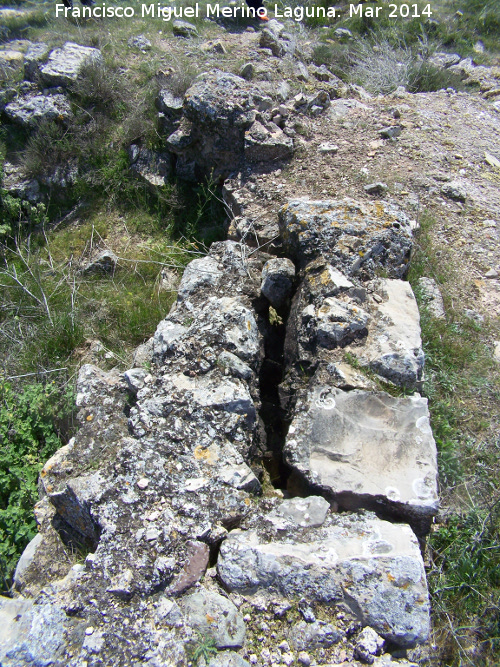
<point>35,56</point>
<point>30,110</point>
<point>215,616</point>
<point>64,65</point>
<point>151,167</point>
<point>357,239</point>
<point>267,143</point>
<point>367,449</point>
<point>393,347</point>
<point>373,566</point>
<point>278,276</point>
<point>17,184</point>
<point>30,633</point>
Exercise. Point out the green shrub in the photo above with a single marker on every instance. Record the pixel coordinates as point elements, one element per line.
<point>32,421</point>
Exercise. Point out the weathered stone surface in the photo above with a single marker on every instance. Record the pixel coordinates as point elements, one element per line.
<point>139,42</point>
<point>317,634</point>
<point>184,29</point>
<point>152,167</point>
<point>444,60</point>
<point>170,108</point>
<point>374,566</point>
<point>250,220</point>
<point>11,59</point>
<point>228,659</point>
<point>34,57</point>
<point>432,298</point>
<point>26,559</point>
<point>103,262</point>
<point>278,276</point>
<point>64,64</point>
<point>307,512</point>
<point>355,238</point>
<point>279,42</point>
<point>337,436</point>
<point>194,568</point>
<point>455,190</point>
<point>368,645</point>
<point>267,143</point>
<point>18,185</point>
<point>30,110</point>
<point>234,366</point>
<point>135,379</point>
<point>30,634</point>
<point>215,616</point>
<point>219,129</point>
<point>394,348</point>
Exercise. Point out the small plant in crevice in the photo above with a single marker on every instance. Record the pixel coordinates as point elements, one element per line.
<point>202,650</point>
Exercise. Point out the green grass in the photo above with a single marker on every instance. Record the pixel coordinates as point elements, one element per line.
<point>34,421</point>
<point>463,385</point>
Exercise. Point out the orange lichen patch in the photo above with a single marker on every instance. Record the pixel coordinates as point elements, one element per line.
<point>249,326</point>
<point>50,488</point>
<point>90,418</point>
<point>205,454</point>
<point>210,619</point>
<point>390,577</point>
<point>247,501</point>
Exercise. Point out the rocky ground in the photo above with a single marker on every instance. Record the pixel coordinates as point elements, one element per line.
<point>258,487</point>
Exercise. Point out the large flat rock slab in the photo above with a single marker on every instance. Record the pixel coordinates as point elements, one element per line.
<point>64,65</point>
<point>367,449</point>
<point>356,238</point>
<point>372,565</point>
<point>393,347</point>
<point>30,110</point>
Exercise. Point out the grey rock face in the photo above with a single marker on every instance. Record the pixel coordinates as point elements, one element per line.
<point>152,167</point>
<point>17,185</point>
<point>313,635</point>
<point>104,262</point>
<point>444,60</point>
<point>432,297</point>
<point>355,238</point>
<point>30,110</point>
<point>64,64</point>
<point>368,645</point>
<point>336,437</point>
<point>307,512</point>
<point>394,348</point>
<point>454,190</point>
<point>140,42</point>
<point>228,659</point>
<point>372,565</point>
<point>280,43</point>
<point>215,616</point>
<point>218,129</point>
<point>277,281</point>
<point>34,57</point>
<point>267,143</point>
<point>184,29</point>
<point>30,633</point>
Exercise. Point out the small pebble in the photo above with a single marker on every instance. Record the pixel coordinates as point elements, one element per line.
<point>304,659</point>
<point>143,483</point>
<point>492,273</point>
<point>89,630</point>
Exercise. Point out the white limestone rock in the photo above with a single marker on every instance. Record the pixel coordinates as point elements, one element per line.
<point>373,566</point>
<point>367,449</point>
